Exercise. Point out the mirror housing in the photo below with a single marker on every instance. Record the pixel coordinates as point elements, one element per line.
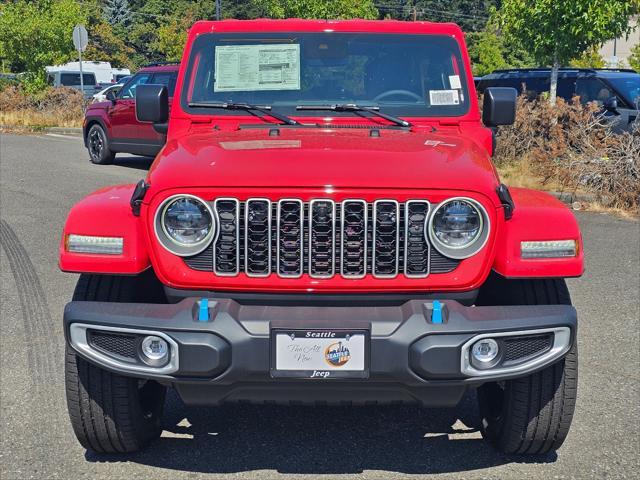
<point>499,106</point>
<point>152,103</point>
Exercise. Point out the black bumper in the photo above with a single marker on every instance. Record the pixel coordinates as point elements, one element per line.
<point>228,356</point>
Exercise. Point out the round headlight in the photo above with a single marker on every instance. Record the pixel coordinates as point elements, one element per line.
<point>187,224</point>
<point>457,228</point>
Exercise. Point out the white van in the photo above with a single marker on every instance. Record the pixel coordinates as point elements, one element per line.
<point>71,78</point>
<point>103,71</point>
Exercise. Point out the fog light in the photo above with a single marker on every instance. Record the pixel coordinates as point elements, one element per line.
<point>155,350</point>
<point>484,353</point>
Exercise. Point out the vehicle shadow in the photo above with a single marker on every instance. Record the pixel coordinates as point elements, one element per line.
<point>133,161</point>
<point>320,440</point>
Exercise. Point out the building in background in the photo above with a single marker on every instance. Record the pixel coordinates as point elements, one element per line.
<point>615,52</point>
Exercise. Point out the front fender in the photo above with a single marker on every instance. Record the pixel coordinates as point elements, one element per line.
<point>537,216</point>
<point>106,212</point>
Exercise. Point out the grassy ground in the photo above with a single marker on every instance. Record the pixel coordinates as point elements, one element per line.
<point>30,118</point>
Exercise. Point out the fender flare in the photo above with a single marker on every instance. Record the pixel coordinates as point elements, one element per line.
<point>538,216</point>
<point>106,212</point>
<point>90,120</point>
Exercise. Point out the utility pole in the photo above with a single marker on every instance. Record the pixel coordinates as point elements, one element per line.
<point>218,9</point>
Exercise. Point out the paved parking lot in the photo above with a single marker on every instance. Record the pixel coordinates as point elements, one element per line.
<point>42,176</point>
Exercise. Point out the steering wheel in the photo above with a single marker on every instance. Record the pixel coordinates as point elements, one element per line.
<point>406,93</point>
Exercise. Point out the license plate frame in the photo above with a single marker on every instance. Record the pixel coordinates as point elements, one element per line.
<point>322,337</point>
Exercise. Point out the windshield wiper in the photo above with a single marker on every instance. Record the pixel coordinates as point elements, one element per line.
<point>266,109</point>
<point>352,107</point>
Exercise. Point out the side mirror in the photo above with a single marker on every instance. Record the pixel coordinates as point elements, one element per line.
<point>611,104</point>
<point>152,103</point>
<point>499,106</point>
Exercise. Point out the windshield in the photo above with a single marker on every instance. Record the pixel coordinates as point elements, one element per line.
<point>628,86</point>
<point>404,75</point>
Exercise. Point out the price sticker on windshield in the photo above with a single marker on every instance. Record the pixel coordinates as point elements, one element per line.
<point>241,68</point>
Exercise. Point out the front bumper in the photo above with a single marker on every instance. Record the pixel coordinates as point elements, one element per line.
<point>412,357</point>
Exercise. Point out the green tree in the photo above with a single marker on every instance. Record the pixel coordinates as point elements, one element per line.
<point>556,32</point>
<point>117,12</point>
<point>589,59</point>
<point>634,58</point>
<point>471,15</point>
<point>159,23</point>
<point>34,34</point>
<point>333,9</point>
<point>486,52</point>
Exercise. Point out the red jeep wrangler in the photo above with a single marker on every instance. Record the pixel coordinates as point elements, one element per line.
<point>112,127</point>
<point>323,225</point>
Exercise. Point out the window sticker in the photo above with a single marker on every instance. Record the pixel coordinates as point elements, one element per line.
<point>257,67</point>
<point>454,81</point>
<point>444,97</point>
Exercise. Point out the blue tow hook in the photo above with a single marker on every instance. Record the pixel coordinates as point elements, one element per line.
<point>436,314</point>
<point>203,313</point>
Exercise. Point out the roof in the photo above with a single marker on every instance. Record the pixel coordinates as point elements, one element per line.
<point>160,67</point>
<point>301,25</point>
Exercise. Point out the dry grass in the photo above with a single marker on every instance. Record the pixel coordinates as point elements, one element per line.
<point>54,107</point>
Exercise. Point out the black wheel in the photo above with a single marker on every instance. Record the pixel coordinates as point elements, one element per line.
<point>98,146</point>
<point>111,413</point>
<point>532,414</point>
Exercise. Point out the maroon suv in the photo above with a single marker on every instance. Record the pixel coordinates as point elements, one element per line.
<point>111,126</point>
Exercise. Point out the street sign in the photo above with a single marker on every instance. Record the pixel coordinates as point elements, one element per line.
<point>80,41</point>
<point>80,38</point>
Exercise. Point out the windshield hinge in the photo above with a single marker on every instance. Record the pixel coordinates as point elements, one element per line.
<point>506,200</point>
<point>138,196</point>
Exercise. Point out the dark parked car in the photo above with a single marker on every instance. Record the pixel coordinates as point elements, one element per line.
<point>617,91</point>
<point>111,126</point>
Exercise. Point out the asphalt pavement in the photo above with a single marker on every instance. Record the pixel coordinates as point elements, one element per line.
<point>42,176</point>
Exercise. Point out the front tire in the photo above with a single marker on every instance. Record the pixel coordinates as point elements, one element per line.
<point>98,146</point>
<point>111,413</point>
<point>532,414</point>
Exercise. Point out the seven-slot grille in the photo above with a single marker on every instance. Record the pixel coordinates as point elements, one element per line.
<point>321,238</point>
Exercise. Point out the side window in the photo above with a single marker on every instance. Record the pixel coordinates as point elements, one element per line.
<point>129,90</point>
<point>165,78</point>
<point>534,85</point>
<point>590,89</point>
<point>566,87</point>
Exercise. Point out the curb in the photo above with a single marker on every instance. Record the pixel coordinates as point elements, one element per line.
<point>71,131</point>
<point>77,132</point>
<point>579,200</point>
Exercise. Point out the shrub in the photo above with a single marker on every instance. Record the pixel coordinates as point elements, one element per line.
<point>63,107</point>
<point>569,146</point>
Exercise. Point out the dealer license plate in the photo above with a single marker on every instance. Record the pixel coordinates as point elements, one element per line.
<point>320,354</point>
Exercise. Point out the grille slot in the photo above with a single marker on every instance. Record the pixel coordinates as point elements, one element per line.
<point>118,344</point>
<point>519,349</point>
<point>290,235</point>
<point>322,233</point>
<point>226,249</point>
<point>321,238</point>
<point>385,258</point>
<point>416,253</point>
<point>353,247</point>
<point>257,237</point>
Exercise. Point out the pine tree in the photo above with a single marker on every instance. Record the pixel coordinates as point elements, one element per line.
<point>117,12</point>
